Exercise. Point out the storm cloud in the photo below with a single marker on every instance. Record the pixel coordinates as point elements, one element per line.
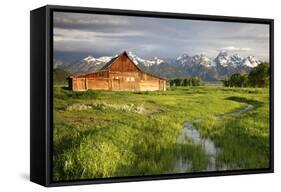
<point>162,37</point>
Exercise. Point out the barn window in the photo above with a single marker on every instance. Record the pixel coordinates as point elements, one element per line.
<point>130,79</point>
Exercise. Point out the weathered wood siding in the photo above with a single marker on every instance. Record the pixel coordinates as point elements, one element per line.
<point>94,83</point>
<point>123,64</point>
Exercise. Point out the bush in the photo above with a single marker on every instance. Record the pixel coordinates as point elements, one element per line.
<point>258,77</point>
<point>192,81</point>
<point>236,80</point>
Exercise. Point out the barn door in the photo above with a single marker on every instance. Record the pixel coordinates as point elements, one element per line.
<point>116,84</point>
<point>81,84</point>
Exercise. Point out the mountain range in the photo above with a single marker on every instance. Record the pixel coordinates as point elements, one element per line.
<point>209,69</point>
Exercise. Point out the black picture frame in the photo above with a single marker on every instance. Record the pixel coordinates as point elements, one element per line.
<point>41,58</point>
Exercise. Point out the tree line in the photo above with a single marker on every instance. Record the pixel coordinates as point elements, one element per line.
<point>258,77</point>
<point>190,81</point>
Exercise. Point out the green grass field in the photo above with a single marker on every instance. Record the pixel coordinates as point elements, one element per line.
<point>101,134</point>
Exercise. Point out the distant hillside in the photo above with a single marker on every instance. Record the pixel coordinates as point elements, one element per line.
<point>60,76</point>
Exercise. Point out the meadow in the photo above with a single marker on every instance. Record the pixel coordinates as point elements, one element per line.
<point>100,134</point>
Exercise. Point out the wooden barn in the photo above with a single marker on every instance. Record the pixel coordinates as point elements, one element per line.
<point>119,74</point>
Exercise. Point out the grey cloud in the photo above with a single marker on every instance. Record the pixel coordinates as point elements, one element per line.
<point>156,36</point>
<point>248,38</point>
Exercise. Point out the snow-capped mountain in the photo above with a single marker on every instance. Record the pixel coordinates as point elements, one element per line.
<point>225,60</point>
<point>97,61</point>
<point>88,64</point>
<point>251,61</point>
<point>213,68</point>
<point>195,60</point>
<point>228,64</point>
<point>199,65</point>
<point>145,62</point>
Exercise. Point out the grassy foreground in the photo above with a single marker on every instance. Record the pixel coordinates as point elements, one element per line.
<point>101,134</point>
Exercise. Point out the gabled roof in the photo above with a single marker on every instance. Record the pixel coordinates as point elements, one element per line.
<point>107,65</point>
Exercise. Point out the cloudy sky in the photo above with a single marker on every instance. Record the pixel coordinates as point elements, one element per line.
<point>149,37</point>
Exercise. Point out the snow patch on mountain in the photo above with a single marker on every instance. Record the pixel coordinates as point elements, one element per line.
<point>251,61</point>
<point>146,62</point>
<point>99,60</point>
<point>201,59</point>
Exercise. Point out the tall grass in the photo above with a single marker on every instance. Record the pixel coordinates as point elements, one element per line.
<point>110,141</point>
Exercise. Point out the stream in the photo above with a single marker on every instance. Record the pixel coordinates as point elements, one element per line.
<point>190,133</point>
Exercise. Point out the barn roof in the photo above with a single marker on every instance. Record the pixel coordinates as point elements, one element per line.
<point>108,64</point>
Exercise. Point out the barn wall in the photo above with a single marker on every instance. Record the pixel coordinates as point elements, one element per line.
<point>100,74</point>
<point>94,83</point>
<point>162,85</point>
<point>123,64</point>
<point>79,84</point>
<point>122,84</point>
<point>152,83</point>
<point>126,81</point>
<point>149,85</point>
<point>82,84</point>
